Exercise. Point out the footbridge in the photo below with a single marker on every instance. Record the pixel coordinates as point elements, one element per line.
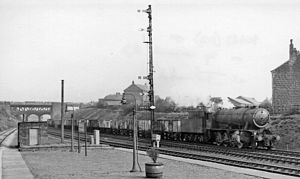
<point>41,110</point>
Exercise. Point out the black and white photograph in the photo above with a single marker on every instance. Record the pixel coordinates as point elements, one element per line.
<point>133,89</point>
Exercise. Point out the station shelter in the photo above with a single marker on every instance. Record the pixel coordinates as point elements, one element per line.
<point>32,133</point>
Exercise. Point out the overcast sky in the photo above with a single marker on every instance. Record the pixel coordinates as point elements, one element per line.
<point>201,48</point>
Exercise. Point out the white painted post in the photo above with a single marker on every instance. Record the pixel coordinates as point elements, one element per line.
<point>92,139</point>
<point>97,136</point>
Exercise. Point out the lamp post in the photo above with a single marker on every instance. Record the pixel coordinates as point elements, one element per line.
<point>72,124</point>
<point>78,135</point>
<point>72,129</point>
<point>85,134</point>
<point>135,137</point>
<point>62,111</point>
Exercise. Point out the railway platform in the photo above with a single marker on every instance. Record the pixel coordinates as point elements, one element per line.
<point>12,164</point>
<point>110,163</point>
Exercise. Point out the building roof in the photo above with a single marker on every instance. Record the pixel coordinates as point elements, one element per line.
<point>282,67</point>
<point>141,87</point>
<point>249,100</point>
<point>294,56</point>
<point>113,97</point>
<point>242,101</point>
<point>238,102</point>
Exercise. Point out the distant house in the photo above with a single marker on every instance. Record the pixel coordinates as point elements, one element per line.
<point>111,100</point>
<point>140,93</point>
<point>286,83</point>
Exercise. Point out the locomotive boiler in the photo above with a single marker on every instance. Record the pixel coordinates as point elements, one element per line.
<point>242,127</point>
<point>241,118</point>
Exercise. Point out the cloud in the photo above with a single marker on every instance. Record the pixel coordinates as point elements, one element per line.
<point>174,52</point>
<point>241,39</point>
<point>177,38</point>
<point>203,39</point>
<point>236,59</point>
<point>216,39</point>
<point>208,57</point>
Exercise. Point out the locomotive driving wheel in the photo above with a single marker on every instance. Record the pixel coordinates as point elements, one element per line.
<point>218,138</point>
<point>225,139</point>
<point>240,145</point>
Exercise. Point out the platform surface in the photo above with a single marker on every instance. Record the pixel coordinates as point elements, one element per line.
<point>109,163</point>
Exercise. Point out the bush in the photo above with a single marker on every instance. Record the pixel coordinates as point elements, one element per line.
<point>153,154</point>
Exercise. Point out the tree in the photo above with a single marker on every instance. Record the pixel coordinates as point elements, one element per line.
<point>101,104</point>
<point>127,109</point>
<point>165,105</point>
<point>214,103</point>
<point>266,104</point>
<point>201,105</point>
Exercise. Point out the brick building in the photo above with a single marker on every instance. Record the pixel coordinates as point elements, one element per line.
<point>140,93</point>
<point>32,133</point>
<point>112,99</point>
<point>286,83</point>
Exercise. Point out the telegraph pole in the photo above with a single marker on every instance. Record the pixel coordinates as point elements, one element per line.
<point>62,111</point>
<point>150,77</point>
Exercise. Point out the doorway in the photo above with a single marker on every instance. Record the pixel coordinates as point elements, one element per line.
<point>33,136</point>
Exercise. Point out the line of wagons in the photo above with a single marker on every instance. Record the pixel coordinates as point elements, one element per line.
<point>240,127</point>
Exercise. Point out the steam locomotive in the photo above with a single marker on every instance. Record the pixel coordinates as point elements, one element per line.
<point>241,127</point>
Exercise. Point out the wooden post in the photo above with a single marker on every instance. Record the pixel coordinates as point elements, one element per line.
<point>78,136</point>
<point>86,137</point>
<point>62,111</point>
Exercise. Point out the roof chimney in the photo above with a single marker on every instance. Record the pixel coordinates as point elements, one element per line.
<point>132,82</point>
<point>293,53</point>
<point>291,48</point>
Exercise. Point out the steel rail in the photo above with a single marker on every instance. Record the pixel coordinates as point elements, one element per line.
<point>5,134</point>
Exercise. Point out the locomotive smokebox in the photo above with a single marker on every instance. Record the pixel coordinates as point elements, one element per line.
<point>241,118</point>
<point>261,118</point>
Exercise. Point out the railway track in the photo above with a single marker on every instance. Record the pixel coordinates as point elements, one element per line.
<point>246,154</point>
<point>5,134</point>
<point>273,161</point>
<point>274,156</point>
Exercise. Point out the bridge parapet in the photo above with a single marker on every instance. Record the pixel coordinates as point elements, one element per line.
<point>26,109</point>
<point>38,108</point>
<point>31,103</point>
<point>31,109</point>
